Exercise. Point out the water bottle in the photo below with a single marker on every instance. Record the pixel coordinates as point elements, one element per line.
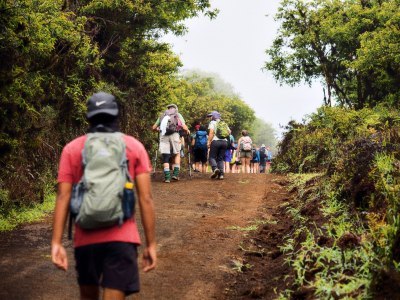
<point>128,201</point>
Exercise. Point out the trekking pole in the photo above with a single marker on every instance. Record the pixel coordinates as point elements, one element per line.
<point>190,164</point>
<point>155,163</point>
<point>156,156</point>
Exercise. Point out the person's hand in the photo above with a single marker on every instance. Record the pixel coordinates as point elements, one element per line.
<point>59,256</point>
<point>149,258</point>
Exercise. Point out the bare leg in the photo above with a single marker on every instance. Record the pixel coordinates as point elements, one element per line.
<point>243,166</point>
<point>247,164</point>
<point>177,159</point>
<point>227,169</point>
<point>111,294</point>
<point>89,292</point>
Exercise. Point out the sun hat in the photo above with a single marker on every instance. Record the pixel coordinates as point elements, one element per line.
<point>172,105</point>
<point>215,115</point>
<point>101,103</point>
<point>262,146</point>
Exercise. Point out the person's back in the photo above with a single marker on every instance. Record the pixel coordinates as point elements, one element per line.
<point>263,158</point>
<point>230,155</point>
<point>255,160</point>
<point>199,143</point>
<point>201,140</point>
<point>116,267</point>
<point>169,124</point>
<point>217,142</point>
<point>245,154</point>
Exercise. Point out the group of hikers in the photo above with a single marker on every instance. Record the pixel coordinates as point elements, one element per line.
<point>212,146</point>
<point>97,175</point>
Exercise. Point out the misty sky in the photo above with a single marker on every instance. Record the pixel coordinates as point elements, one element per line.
<point>233,46</point>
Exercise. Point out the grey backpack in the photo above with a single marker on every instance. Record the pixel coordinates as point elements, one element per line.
<point>174,124</point>
<point>96,200</point>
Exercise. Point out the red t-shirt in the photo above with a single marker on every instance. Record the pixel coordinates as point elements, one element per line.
<point>70,170</point>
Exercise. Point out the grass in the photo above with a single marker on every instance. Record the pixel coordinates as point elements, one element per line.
<point>256,224</point>
<point>327,270</point>
<point>248,228</point>
<point>30,214</point>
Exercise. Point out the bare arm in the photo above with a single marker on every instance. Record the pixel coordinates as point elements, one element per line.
<point>238,146</point>
<point>58,253</point>
<point>143,188</point>
<point>155,127</point>
<point>184,127</point>
<point>210,137</point>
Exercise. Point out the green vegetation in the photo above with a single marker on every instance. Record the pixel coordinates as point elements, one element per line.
<point>351,46</point>
<point>55,54</point>
<point>346,239</point>
<point>347,209</point>
<point>263,133</point>
<point>213,89</point>
<point>14,216</point>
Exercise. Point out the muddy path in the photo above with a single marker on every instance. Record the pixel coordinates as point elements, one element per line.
<point>200,235</point>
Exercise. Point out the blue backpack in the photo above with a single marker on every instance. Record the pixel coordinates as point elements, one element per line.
<point>263,155</point>
<point>200,140</point>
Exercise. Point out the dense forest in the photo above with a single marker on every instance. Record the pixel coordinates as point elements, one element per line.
<point>55,54</point>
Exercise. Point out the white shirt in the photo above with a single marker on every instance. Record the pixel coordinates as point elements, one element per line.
<point>213,126</point>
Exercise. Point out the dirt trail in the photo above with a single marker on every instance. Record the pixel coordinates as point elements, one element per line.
<point>197,244</point>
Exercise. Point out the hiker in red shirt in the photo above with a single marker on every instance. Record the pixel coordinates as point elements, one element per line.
<point>105,257</point>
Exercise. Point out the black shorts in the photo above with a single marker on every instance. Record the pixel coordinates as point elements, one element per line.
<point>112,265</point>
<point>200,155</point>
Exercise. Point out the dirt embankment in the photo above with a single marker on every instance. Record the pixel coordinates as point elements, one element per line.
<point>206,247</point>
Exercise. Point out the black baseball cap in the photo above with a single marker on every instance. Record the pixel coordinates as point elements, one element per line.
<point>101,103</point>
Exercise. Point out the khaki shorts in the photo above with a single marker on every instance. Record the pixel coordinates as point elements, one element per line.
<point>170,143</point>
<point>246,154</point>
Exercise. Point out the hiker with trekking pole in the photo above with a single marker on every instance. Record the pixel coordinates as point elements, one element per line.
<point>168,125</point>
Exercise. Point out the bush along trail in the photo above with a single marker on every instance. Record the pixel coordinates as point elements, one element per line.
<point>345,239</point>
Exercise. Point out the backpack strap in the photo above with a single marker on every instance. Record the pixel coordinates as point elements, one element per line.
<point>124,161</point>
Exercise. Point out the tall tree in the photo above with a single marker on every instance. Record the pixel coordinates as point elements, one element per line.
<point>54,54</point>
<point>206,94</point>
<point>341,43</point>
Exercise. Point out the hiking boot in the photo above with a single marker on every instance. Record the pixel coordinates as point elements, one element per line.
<point>215,174</point>
<point>167,180</point>
<point>221,176</point>
<point>176,178</point>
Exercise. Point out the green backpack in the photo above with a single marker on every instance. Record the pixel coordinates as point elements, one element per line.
<point>222,131</point>
<point>96,200</point>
